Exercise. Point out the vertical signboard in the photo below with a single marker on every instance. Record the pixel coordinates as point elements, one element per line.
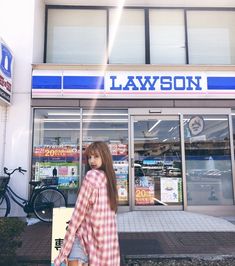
<point>6,67</point>
<point>61,217</point>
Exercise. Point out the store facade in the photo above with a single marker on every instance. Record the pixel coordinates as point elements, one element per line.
<point>154,79</point>
<point>169,154</point>
<point>150,82</point>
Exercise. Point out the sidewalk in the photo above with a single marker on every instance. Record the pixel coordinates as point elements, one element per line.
<point>148,234</point>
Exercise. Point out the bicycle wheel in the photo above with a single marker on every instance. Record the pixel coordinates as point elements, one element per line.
<point>5,206</point>
<point>44,202</point>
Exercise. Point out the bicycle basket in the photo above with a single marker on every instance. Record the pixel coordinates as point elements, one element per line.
<point>4,180</point>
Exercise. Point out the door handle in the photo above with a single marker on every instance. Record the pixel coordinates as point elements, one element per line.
<point>132,163</point>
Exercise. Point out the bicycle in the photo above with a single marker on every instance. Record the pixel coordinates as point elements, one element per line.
<point>42,200</point>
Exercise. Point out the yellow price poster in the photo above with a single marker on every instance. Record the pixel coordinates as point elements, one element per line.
<point>144,195</point>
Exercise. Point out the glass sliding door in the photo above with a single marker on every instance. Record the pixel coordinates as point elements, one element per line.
<point>156,161</point>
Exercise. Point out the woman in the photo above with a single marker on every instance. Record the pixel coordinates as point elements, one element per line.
<point>91,236</point>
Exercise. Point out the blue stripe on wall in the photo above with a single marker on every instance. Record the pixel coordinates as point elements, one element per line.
<point>221,83</point>
<point>46,82</point>
<point>84,82</point>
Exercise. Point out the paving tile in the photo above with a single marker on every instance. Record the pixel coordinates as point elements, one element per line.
<point>146,233</point>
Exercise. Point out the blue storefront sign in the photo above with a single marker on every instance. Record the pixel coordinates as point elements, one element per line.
<point>133,84</point>
<point>6,67</point>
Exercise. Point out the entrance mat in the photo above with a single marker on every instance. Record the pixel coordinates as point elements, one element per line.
<point>162,243</point>
<point>139,243</point>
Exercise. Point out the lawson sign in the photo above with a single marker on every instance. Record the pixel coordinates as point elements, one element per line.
<point>133,84</point>
<point>6,67</point>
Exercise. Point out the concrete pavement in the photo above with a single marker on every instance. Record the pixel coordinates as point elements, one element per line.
<point>161,234</point>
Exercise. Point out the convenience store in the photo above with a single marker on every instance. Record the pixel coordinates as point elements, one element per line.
<point>158,87</point>
<point>167,156</point>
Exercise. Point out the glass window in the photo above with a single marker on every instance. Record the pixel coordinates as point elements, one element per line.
<point>167,37</point>
<point>126,36</point>
<point>76,36</point>
<point>110,126</point>
<point>208,160</point>
<point>211,37</point>
<point>55,158</point>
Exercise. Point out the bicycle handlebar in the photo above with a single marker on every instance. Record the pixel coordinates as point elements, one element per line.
<point>9,173</point>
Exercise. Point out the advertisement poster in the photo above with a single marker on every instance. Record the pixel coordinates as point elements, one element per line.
<point>144,191</point>
<point>118,149</point>
<point>61,218</point>
<point>171,190</point>
<point>57,165</point>
<point>121,171</point>
<point>122,187</point>
<point>65,175</point>
<point>56,152</point>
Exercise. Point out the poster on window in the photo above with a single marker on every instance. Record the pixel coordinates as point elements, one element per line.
<point>122,188</point>
<point>64,175</point>
<point>56,152</point>
<point>118,149</point>
<point>121,172</point>
<point>170,189</point>
<point>144,190</point>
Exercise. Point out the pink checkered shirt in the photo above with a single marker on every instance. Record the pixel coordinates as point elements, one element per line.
<point>94,223</point>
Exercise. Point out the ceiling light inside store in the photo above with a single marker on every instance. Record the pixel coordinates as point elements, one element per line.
<point>89,129</point>
<point>215,119</point>
<point>144,139</point>
<point>172,128</point>
<point>157,123</point>
<point>93,120</point>
<point>63,114</point>
<point>208,119</point>
<point>105,129</point>
<point>104,120</point>
<point>104,114</point>
<point>84,114</point>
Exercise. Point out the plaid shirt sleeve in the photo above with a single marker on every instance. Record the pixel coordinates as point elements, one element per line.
<point>85,194</point>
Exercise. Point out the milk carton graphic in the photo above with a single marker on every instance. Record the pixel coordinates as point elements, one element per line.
<point>6,60</point>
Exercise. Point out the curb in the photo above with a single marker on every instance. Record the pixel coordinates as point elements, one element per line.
<point>181,256</point>
<point>179,259</point>
<point>28,261</point>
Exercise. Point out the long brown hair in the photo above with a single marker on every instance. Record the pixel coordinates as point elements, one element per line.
<point>107,166</point>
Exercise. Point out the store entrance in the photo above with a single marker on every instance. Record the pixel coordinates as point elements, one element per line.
<point>156,165</point>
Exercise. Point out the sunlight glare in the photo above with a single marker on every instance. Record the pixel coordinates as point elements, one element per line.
<point>116,20</point>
